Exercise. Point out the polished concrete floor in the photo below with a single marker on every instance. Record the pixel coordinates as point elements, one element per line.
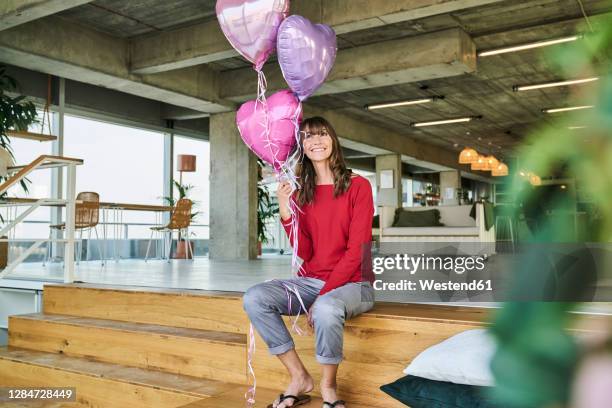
<point>201,273</point>
<point>207,274</point>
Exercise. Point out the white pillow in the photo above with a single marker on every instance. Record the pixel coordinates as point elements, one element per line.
<point>462,359</point>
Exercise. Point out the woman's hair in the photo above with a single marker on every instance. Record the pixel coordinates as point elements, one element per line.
<point>305,169</point>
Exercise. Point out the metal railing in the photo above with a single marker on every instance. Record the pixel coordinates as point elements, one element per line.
<point>18,173</point>
<point>123,235</point>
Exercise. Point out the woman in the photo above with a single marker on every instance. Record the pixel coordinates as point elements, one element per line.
<point>335,232</point>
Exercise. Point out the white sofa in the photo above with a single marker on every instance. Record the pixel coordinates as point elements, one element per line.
<point>458,226</point>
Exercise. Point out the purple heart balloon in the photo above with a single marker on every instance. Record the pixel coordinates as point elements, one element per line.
<point>306,54</point>
<point>251,26</point>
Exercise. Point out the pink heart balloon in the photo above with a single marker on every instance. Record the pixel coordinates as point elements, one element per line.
<point>306,54</point>
<point>251,26</point>
<point>279,114</point>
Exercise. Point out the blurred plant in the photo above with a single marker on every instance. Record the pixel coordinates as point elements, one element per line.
<point>432,189</point>
<point>15,114</point>
<point>537,359</point>
<point>266,208</point>
<point>463,195</point>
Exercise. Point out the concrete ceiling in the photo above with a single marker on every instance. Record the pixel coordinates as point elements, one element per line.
<point>506,116</point>
<point>176,52</point>
<point>127,19</point>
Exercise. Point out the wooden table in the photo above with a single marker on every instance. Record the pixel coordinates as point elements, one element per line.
<point>123,206</point>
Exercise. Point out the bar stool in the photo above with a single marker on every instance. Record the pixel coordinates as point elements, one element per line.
<point>87,215</point>
<point>179,221</point>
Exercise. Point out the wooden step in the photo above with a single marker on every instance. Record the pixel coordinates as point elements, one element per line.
<point>194,309</point>
<point>378,345</point>
<point>100,384</point>
<point>199,353</point>
<point>263,397</point>
<point>41,404</point>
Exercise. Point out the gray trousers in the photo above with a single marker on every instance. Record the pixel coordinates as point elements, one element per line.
<point>267,301</point>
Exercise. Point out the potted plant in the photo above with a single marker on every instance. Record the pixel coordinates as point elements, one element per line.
<point>15,114</point>
<point>463,196</point>
<point>266,208</point>
<point>181,244</point>
<point>432,194</point>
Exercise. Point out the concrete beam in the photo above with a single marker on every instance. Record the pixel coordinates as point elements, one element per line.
<point>436,55</point>
<point>204,43</point>
<point>180,113</point>
<point>55,46</point>
<point>16,12</point>
<point>360,135</point>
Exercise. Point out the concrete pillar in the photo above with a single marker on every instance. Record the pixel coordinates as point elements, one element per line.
<point>450,183</point>
<point>389,180</point>
<point>233,192</point>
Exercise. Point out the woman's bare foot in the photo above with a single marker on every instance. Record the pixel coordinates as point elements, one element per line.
<point>328,393</point>
<point>301,384</point>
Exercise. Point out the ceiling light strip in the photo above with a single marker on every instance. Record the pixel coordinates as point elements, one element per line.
<point>567,109</point>
<point>442,122</point>
<point>400,103</point>
<point>528,46</point>
<point>553,84</point>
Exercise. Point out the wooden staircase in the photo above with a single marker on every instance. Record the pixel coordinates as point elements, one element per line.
<point>147,347</point>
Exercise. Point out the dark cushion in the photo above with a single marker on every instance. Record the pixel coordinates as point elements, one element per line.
<point>417,392</point>
<point>376,221</point>
<point>427,218</point>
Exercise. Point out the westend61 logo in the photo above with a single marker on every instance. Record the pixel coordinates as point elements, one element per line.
<point>412,264</point>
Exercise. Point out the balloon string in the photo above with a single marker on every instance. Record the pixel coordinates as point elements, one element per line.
<point>288,173</point>
<point>262,86</point>
<point>285,171</point>
<point>260,103</point>
<point>250,394</point>
<point>294,319</point>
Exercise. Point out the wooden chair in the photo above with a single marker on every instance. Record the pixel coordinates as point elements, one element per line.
<point>87,216</point>
<point>180,220</point>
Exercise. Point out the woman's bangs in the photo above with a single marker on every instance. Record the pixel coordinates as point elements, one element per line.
<point>313,125</point>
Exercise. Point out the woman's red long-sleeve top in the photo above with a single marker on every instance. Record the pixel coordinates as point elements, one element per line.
<point>335,235</point>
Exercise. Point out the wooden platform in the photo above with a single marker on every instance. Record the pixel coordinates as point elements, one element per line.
<point>146,347</point>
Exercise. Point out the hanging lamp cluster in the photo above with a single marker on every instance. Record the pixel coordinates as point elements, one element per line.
<point>482,162</point>
<point>531,177</point>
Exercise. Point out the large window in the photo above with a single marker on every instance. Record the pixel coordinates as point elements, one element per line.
<point>407,195</point>
<point>122,164</point>
<point>39,185</point>
<point>199,180</point>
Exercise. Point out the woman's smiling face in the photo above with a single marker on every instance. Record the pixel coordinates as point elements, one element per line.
<point>317,144</point>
